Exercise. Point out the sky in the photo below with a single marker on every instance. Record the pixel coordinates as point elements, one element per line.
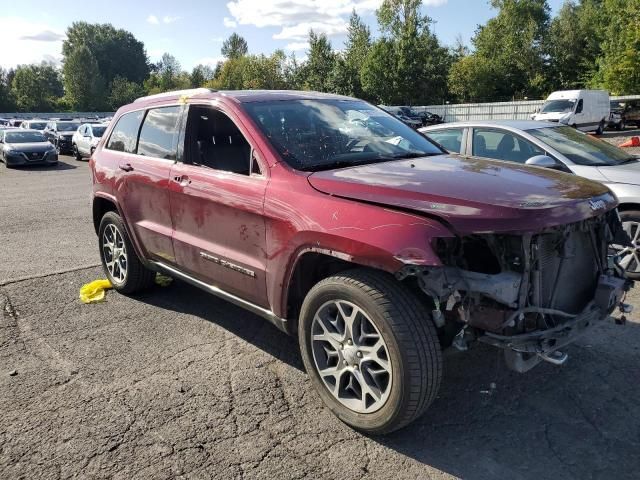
<point>193,31</point>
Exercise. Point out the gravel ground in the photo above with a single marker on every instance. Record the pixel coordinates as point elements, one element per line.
<point>179,384</point>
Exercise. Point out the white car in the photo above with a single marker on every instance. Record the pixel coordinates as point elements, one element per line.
<point>86,138</point>
<point>586,110</point>
<point>35,124</point>
<point>550,145</point>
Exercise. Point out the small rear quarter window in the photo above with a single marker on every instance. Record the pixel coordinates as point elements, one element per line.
<point>124,136</point>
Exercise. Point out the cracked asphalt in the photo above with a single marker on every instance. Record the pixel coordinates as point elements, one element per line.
<point>178,384</point>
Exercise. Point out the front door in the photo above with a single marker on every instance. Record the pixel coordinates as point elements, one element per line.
<point>217,207</point>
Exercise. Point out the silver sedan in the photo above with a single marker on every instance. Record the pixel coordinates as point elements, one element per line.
<point>555,146</point>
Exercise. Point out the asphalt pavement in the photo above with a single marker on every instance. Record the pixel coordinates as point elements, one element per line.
<point>178,384</point>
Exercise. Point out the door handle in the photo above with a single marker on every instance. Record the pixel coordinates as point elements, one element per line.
<point>126,167</point>
<point>183,180</point>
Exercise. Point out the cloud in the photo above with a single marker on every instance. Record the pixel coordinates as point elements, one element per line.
<point>297,46</point>
<point>154,20</point>
<point>294,18</point>
<point>229,23</point>
<point>30,42</point>
<point>44,36</point>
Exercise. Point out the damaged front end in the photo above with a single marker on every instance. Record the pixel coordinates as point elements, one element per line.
<point>528,294</point>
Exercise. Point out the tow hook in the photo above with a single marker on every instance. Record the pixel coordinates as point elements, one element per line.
<point>556,357</point>
<point>624,308</point>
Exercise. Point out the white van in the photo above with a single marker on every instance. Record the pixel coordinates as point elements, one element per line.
<point>586,110</point>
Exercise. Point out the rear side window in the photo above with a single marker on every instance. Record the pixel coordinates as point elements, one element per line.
<point>158,137</point>
<point>125,134</point>
<point>450,139</point>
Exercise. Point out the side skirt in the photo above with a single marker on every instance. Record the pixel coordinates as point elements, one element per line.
<point>281,323</point>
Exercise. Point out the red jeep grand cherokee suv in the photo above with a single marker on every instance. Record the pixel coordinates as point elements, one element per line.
<point>338,223</point>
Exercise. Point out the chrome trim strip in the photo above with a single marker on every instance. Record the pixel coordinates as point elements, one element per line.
<point>227,264</point>
<point>281,323</point>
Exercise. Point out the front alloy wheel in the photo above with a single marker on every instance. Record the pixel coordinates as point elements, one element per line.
<point>351,356</point>
<point>371,349</point>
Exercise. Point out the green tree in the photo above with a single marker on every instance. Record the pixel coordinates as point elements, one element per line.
<point>346,73</point>
<point>7,102</point>
<point>619,64</point>
<point>200,75</point>
<point>83,84</point>
<point>117,52</point>
<point>407,65</point>
<point>167,75</point>
<point>123,92</point>
<point>321,60</point>
<point>36,88</point>
<point>252,72</point>
<point>473,78</point>
<point>509,58</point>
<point>573,44</point>
<point>234,47</point>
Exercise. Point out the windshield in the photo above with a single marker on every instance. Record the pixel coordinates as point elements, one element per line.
<point>37,125</point>
<point>558,106</point>
<point>580,148</point>
<point>98,131</point>
<point>23,137</point>
<point>314,135</point>
<point>615,105</point>
<point>67,127</point>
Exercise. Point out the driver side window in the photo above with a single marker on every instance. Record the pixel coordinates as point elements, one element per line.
<point>502,145</point>
<point>580,106</point>
<point>213,140</point>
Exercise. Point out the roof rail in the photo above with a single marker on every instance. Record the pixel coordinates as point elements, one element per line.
<point>188,92</point>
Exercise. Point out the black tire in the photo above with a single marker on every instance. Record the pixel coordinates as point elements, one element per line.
<point>57,145</point>
<point>407,329</point>
<point>631,216</point>
<point>137,277</point>
<point>600,129</point>
<point>76,153</point>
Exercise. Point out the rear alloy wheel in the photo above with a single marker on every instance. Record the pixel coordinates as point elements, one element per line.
<point>630,256</point>
<point>370,349</point>
<point>119,260</point>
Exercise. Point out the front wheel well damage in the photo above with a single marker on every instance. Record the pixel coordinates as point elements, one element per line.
<point>313,267</point>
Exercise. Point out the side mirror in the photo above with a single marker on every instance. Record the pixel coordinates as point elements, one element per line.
<point>542,161</point>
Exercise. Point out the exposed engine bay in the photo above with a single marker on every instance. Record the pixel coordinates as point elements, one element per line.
<point>528,294</point>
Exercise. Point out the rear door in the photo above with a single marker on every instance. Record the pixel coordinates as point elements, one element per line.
<point>217,197</point>
<point>144,144</point>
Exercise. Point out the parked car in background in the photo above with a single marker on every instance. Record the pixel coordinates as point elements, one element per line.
<point>397,112</point>
<point>60,132</point>
<point>26,147</point>
<point>4,122</point>
<point>586,110</point>
<point>35,124</point>
<point>424,117</point>
<point>623,113</point>
<point>557,147</point>
<point>372,245</point>
<point>15,122</point>
<point>86,138</point>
